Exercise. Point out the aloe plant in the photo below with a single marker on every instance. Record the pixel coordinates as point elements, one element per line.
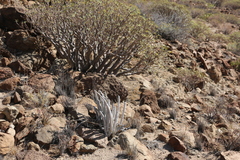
<point>108,114</point>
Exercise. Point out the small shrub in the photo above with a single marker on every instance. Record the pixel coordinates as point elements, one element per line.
<point>231,141</point>
<point>201,125</point>
<point>230,18</point>
<point>166,102</point>
<point>93,37</point>
<point>196,12</point>
<point>236,64</point>
<point>190,79</point>
<point>172,113</point>
<point>216,19</point>
<point>217,3</point>
<point>173,20</point>
<point>199,30</point>
<point>40,99</point>
<point>65,85</point>
<point>221,38</point>
<point>234,47</point>
<point>231,4</point>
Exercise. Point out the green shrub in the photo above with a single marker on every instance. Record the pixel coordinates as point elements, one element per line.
<point>230,18</point>
<point>173,20</point>
<point>231,4</point>
<point>234,45</point>
<point>196,12</point>
<point>216,19</point>
<point>217,3</point>
<point>236,64</point>
<point>190,79</point>
<point>93,36</point>
<point>200,31</point>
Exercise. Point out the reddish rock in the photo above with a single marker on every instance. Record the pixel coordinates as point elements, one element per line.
<point>16,98</point>
<point>114,88</point>
<point>23,133</point>
<point>6,100</point>
<point>148,97</point>
<point>21,40</point>
<point>163,137</point>
<point>75,144</point>
<point>18,67</point>
<point>11,18</point>
<point>215,73</point>
<point>147,128</point>
<point>5,61</point>
<point>5,73</point>
<point>42,82</point>
<point>177,156</point>
<point>4,125</point>
<point>177,144</point>
<point>9,84</point>
<point>5,53</point>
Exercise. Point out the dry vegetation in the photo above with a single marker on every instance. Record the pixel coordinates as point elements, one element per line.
<point>191,38</point>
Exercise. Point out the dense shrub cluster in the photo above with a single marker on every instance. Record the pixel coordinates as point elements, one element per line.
<point>173,20</point>
<point>97,35</point>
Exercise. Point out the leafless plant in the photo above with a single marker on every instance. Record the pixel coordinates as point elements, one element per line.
<point>93,36</point>
<point>108,113</point>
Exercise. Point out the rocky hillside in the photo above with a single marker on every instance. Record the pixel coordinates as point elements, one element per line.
<point>185,106</point>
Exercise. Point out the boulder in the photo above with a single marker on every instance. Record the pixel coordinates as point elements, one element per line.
<point>148,97</point>
<point>5,53</point>
<point>33,146</point>
<point>229,155</point>
<point>45,135</point>
<point>11,18</point>
<point>215,73</point>
<point>19,67</point>
<point>75,143</point>
<point>9,84</point>
<point>177,144</point>
<point>148,128</point>
<point>32,154</point>
<point>87,148</point>
<point>177,156</point>
<point>186,136</point>
<point>6,143</point>
<point>93,136</point>
<point>130,143</point>
<point>114,88</point>
<point>85,105</point>
<point>4,125</point>
<point>7,100</point>
<point>42,82</point>
<point>5,72</point>
<point>145,110</point>
<point>5,61</point>
<point>11,113</point>
<point>21,40</point>
<point>57,108</point>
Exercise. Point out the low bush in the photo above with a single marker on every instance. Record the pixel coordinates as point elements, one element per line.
<point>93,36</point>
<point>173,20</point>
<point>200,31</point>
<point>217,3</point>
<point>190,79</point>
<point>236,64</point>
<point>231,4</point>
